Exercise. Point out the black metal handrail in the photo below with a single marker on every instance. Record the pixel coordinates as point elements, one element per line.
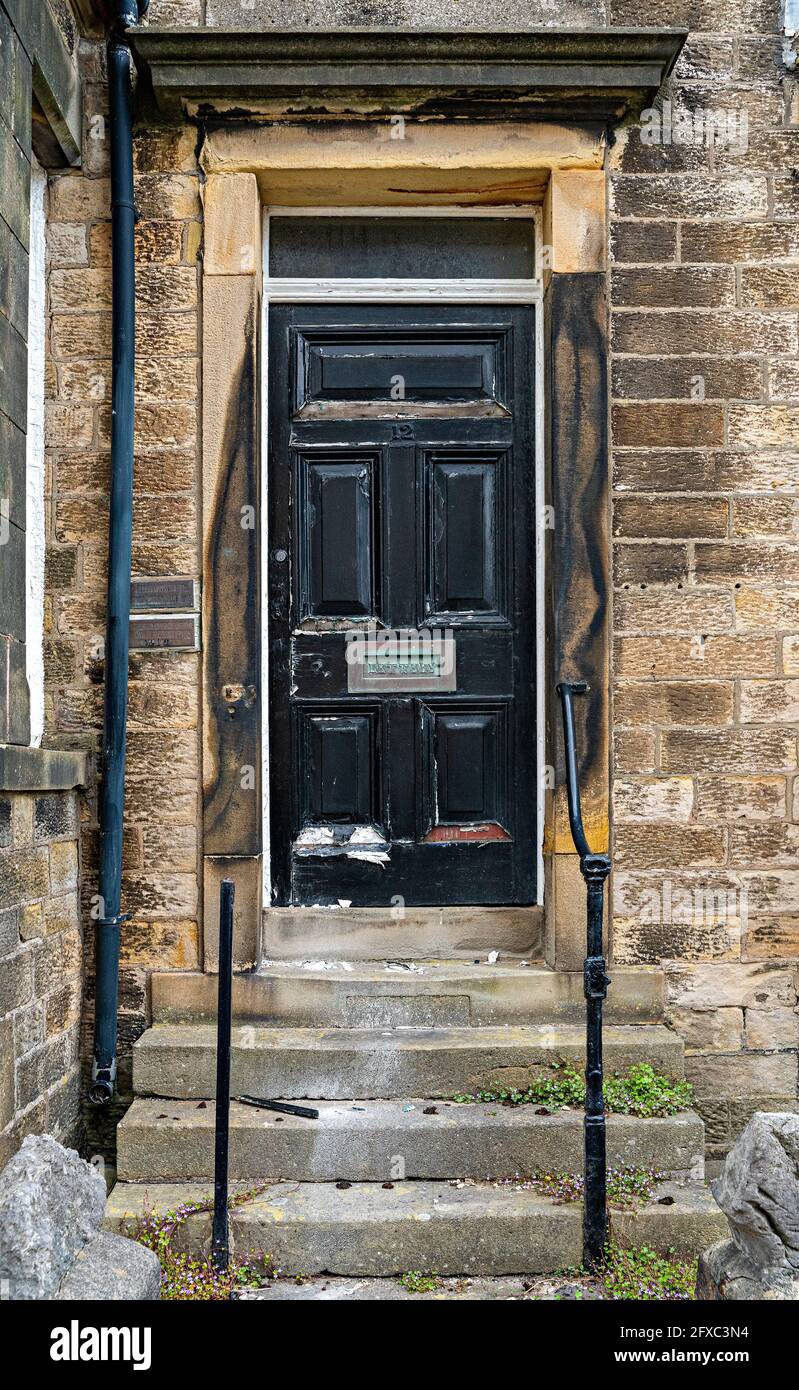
<point>595,869</point>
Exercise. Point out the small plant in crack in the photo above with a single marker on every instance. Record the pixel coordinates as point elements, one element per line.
<point>640,1091</point>
<point>415,1281</point>
<point>187,1276</point>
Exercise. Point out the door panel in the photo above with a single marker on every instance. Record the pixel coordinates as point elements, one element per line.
<point>467,525</point>
<point>337,503</point>
<point>418,515</point>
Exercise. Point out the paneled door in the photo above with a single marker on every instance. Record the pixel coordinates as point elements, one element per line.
<point>401,500</point>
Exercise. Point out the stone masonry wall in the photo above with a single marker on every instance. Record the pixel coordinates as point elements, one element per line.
<point>163,778</point>
<point>704,293</point>
<point>41,968</point>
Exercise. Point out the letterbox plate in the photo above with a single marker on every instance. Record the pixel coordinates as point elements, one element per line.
<point>401,665</point>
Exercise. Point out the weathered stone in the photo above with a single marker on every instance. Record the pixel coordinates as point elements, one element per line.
<point>653,799</point>
<point>714,986</point>
<point>51,1204</point>
<point>724,1272</point>
<point>740,798</point>
<point>790,656</point>
<point>679,331</point>
<point>770,517</point>
<point>22,876</point>
<point>769,1028</point>
<point>633,750</point>
<point>658,846</point>
<point>54,817</point>
<point>650,243</point>
<point>742,1074</point>
<point>767,842</point>
<point>701,657</point>
<point>650,564</point>
<point>707,286</point>
<point>772,938</point>
<point>674,702</point>
<point>670,378</point>
<point>673,610</point>
<point>748,750</point>
<point>709,1030</point>
<point>709,470</point>
<point>671,517</point>
<point>63,866</point>
<point>759,1193</point>
<point>114,1269</point>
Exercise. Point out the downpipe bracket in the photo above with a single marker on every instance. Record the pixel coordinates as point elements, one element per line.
<point>101,1090</point>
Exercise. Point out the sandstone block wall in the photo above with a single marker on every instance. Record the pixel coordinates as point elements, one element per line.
<point>41,969</point>
<point>163,777</point>
<point>704,293</point>
<point>703,290</point>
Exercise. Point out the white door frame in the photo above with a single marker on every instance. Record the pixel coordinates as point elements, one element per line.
<point>351,291</point>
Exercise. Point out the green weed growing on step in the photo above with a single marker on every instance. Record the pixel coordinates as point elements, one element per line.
<point>417,1282</point>
<point>640,1091</point>
<point>644,1275</point>
<point>185,1276</point>
<point>627,1187</point>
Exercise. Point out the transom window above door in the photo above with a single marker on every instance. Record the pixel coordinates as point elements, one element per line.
<point>390,253</point>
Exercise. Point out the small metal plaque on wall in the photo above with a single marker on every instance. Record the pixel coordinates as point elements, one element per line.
<point>163,594</point>
<point>176,631</point>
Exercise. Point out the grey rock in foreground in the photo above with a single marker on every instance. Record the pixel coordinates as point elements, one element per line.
<point>759,1193</point>
<point>51,1205</point>
<point>113,1269</point>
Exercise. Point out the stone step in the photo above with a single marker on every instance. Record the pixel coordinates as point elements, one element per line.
<point>179,1060</point>
<point>327,1288</point>
<point>369,1230</point>
<point>420,994</point>
<point>369,933</point>
<point>174,1141</point>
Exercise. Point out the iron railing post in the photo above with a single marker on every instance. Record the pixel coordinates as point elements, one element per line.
<point>220,1245</point>
<point>595,869</point>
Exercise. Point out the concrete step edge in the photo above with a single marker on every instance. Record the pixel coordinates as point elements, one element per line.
<point>379,1140</point>
<point>365,1229</point>
<point>179,1060</point>
<point>438,991</point>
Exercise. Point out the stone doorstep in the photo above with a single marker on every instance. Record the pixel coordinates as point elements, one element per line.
<point>179,1060</point>
<point>437,992</point>
<point>173,1141</point>
<point>372,933</point>
<point>314,1228</point>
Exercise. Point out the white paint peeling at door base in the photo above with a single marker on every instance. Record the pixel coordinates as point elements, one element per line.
<point>34,461</point>
<point>369,856</point>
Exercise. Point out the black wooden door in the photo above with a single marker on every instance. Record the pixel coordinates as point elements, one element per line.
<point>401,495</point>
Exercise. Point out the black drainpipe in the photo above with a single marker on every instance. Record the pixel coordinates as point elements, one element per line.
<point>112,791</point>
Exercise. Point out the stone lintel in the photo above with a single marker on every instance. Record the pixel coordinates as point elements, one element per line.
<point>600,72</point>
<point>41,769</point>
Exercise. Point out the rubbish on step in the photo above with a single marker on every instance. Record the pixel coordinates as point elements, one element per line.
<point>304,1111</point>
<point>493,957</point>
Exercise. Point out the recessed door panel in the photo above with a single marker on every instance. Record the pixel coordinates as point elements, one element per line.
<point>468,528</point>
<point>452,371</point>
<point>414,515</point>
<point>334,532</point>
<point>338,769</point>
<point>467,750</point>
